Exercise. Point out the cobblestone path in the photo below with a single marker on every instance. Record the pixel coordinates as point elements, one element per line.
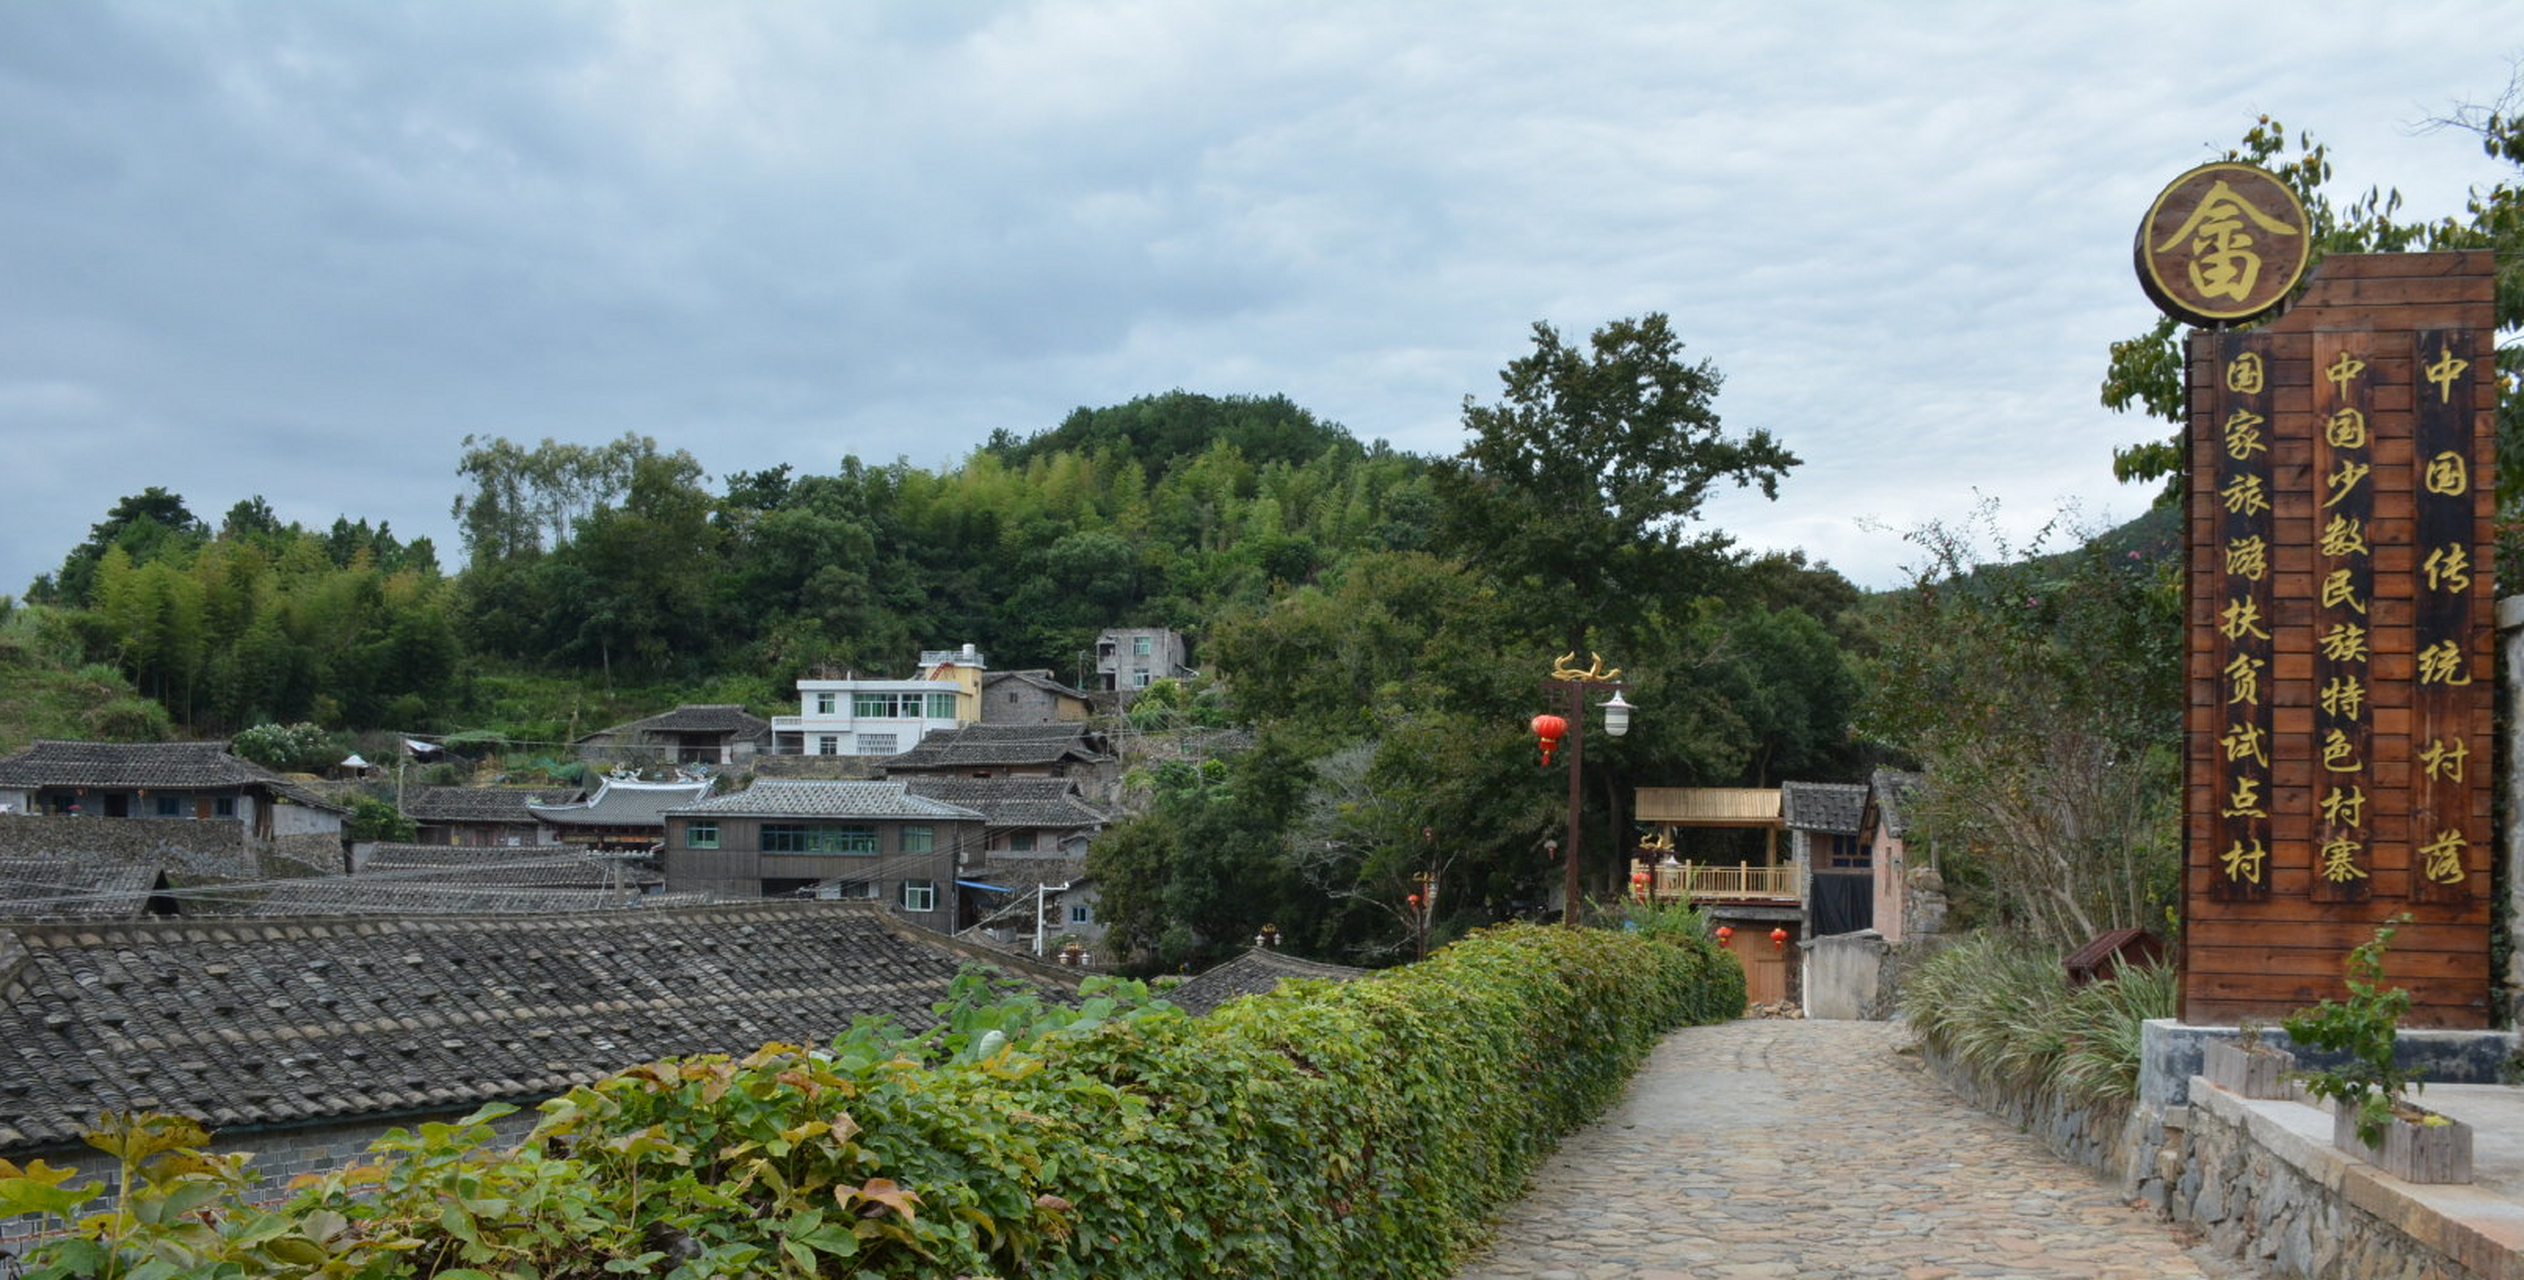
<point>1785,1148</point>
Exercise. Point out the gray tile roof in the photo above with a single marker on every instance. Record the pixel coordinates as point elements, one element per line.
<point>361,896</point>
<point>80,889</point>
<point>1001,745</point>
<point>546,866</point>
<point>171,766</point>
<point>695,717</point>
<point>1012,802</point>
<point>1834,807</point>
<point>1252,973</point>
<point>481,804</point>
<point>298,1021</point>
<point>815,798</point>
<point>620,803</point>
<point>1895,789</point>
<point>1040,679</point>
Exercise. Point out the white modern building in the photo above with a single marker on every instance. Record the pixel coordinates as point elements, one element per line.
<point>864,717</point>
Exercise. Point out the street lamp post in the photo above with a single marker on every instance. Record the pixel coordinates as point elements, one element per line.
<point>1574,683</point>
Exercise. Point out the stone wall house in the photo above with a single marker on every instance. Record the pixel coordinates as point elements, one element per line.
<point>481,816</point>
<point>1058,750</point>
<point>199,781</point>
<point>792,837</point>
<point>1132,658</point>
<point>304,1038</point>
<point>694,733</point>
<point>1030,697</point>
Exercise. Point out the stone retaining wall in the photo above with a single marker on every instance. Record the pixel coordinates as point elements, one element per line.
<point>2295,1209</point>
<point>2301,1211</point>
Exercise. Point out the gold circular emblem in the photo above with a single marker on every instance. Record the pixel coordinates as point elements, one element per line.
<point>2222,244</point>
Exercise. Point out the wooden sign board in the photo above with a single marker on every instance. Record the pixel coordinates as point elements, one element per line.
<point>2341,667</point>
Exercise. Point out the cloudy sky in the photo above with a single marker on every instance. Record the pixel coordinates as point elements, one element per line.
<point>301,250</point>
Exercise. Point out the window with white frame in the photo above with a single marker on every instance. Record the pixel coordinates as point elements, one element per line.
<point>941,706</point>
<point>824,704</point>
<point>920,895</point>
<point>701,835</point>
<point>827,744</point>
<point>1139,645</point>
<point>1081,913</point>
<point>846,890</point>
<point>1140,678</point>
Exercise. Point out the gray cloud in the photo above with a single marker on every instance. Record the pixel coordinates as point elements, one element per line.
<point>301,250</point>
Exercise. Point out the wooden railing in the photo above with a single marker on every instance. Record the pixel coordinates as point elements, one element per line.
<point>1693,882</point>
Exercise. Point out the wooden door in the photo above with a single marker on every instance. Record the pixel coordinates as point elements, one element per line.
<point>1765,966</point>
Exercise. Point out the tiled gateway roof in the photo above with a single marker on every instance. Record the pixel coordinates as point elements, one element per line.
<point>1835,807</point>
<point>1004,745</point>
<point>815,798</point>
<point>619,803</point>
<point>1252,973</point>
<point>1015,801</point>
<point>481,804</point>
<point>173,766</point>
<point>305,1020</point>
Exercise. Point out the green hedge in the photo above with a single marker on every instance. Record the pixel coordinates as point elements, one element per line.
<point>1364,1129</point>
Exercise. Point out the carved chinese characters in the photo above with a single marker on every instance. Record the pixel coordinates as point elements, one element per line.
<point>2242,648</point>
<point>2224,242</point>
<point>2340,668</point>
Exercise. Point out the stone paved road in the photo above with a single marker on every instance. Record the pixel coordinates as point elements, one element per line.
<point>1786,1148</point>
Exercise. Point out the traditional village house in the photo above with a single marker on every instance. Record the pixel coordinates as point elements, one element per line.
<point>1030,883</point>
<point>799,837</point>
<point>1132,658</point>
<point>852,716</point>
<point>1825,820</point>
<point>302,1039</point>
<point>695,733</point>
<point>1063,749</point>
<point>625,815</point>
<point>1910,898</point>
<point>481,816</point>
<point>183,780</point>
<point>1030,697</point>
<point>1718,849</point>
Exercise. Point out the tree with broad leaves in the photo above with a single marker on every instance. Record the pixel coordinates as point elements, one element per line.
<point>1576,493</point>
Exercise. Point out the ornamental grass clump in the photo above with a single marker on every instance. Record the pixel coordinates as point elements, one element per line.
<point>1363,1129</point>
<point>2002,1009</point>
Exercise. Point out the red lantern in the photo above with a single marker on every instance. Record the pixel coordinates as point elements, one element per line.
<point>1415,902</point>
<point>1779,938</point>
<point>1638,886</point>
<point>1548,729</point>
<point>1725,932</point>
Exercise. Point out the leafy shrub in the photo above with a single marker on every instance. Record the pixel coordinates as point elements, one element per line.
<point>296,748</point>
<point>1336,1130</point>
<point>2370,1083</point>
<point>2002,1008</point>
<point>375,819</point>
